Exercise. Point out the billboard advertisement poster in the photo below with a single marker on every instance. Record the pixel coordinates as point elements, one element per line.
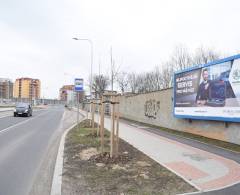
<point>78,84</point>
<point>210,91</point>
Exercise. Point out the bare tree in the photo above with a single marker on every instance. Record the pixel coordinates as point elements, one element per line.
<point>146,82</point>
<point>140,83</point>
<point>157,78</point>
<point>132,81</point>
<point>167,75</point>
<point>114,70</point>
<point>160,78</point>
<point>122,80</point>
<point>181,58</point>
<point>151,81</point>
<point>203,56</point>
<point>100,83</point>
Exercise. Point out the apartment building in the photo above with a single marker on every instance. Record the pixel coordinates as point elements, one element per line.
<point>65,91</point>
<point>27,88</point>
<point>6,88</point>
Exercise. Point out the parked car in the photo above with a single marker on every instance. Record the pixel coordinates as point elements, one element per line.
<point>23,109</point>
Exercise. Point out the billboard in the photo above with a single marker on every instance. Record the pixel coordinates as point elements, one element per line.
<point>210,91</point>
<point>78,84</point>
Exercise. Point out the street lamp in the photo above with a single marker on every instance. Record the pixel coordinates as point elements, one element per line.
<point>91,45</point>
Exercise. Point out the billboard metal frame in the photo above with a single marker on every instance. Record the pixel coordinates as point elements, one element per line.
<point>224,119</point>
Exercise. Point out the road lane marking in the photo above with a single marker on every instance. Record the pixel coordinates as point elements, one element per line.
<point>25,121</point>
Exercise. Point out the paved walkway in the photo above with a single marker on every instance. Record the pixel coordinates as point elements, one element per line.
<point>204,170</point>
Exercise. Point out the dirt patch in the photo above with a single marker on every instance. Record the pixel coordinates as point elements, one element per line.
<point>106,159</point>
<point>87,124</point>
<point>88,153</point>
<point>93,134</point>
<point>143,164</point>
<point>132,172</point>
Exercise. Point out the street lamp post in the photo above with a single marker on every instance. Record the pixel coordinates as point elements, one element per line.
<point>91,75</point>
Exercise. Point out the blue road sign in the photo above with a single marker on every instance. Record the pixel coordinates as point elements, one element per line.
<point>78,82</point>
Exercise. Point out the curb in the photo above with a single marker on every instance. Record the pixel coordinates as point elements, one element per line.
<point>56,188</point>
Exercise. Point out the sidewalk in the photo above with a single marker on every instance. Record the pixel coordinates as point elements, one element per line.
<point>204,170</point>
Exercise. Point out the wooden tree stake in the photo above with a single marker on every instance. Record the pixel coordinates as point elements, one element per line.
<point>93,112</point>
<point>112,128</point>
<point>98,119</point>
<point>117,127</point>
<point>102,125</point>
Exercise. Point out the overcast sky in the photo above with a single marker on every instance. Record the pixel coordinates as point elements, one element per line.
<point>36,35</point>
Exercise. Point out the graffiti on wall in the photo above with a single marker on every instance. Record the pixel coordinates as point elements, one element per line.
<point>151,108</point>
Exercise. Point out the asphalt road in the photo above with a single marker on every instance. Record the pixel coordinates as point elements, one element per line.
<point>23,144</point>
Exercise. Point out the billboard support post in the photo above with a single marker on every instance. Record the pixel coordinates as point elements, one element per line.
<point>226,124</point>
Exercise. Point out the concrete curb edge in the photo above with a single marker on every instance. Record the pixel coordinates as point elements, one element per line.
<point>56,188</point>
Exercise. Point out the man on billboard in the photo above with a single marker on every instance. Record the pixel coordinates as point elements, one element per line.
<point>203,89</point>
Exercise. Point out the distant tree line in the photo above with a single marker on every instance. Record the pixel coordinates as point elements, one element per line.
<point>159,78</point>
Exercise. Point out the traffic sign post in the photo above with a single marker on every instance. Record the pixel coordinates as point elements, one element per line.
<point>78,110</point>
<point>78,87</point>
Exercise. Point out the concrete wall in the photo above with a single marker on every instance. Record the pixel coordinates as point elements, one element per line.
<point>156,108</point>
